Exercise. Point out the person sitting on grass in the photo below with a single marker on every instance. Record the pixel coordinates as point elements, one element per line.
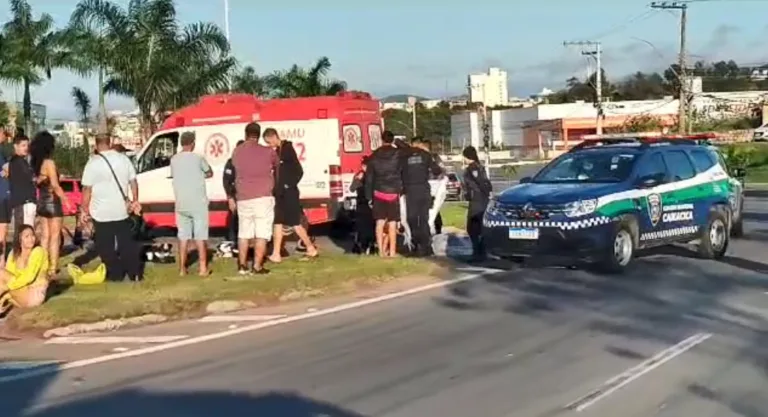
<point>25,277</point>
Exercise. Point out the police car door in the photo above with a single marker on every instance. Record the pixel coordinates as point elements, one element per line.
<point>679,197</point>
<point>649,201</point>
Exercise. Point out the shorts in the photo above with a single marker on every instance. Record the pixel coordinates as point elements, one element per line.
<point>255,218</point>
<point>192,225</point>
<point>288,208</point>
<point>5,211</point>
<point>386,210</point>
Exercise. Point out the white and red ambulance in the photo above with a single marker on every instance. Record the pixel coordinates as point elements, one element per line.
<point>330,134</point>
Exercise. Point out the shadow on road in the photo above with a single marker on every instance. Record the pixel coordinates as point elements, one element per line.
<point>135,402</point>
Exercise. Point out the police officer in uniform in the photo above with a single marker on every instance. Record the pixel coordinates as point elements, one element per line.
<point>477,188</point>
<point>418,167</point>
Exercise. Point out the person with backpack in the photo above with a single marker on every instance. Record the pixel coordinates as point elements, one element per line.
<point>477,188</point>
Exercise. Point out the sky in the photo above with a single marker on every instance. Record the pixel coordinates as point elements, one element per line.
<point>428,47</point>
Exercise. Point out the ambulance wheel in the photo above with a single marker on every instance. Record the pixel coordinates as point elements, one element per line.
<point>620,253</point>
<point>714,237</point>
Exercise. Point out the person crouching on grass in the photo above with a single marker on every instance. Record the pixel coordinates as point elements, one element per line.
<point>25,276</point>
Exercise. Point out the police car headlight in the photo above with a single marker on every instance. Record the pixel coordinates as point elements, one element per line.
<point>580,208</point>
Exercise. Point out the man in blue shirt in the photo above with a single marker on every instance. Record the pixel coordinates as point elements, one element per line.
<point>5,204</point>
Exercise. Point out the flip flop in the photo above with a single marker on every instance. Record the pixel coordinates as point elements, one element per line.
<point>309,257</point>
<point>270,259</point>
<point>207,274</point>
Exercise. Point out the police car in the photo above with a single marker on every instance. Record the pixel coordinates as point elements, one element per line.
<point>607,198</point>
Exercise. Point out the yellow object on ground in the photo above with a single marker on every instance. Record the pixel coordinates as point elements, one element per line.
<point>80,277</point>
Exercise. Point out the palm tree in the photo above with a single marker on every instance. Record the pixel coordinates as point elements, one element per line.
<point>161,64</point>
<point>82,105</point>
<point>301,82</point>
<point>248,82</point>
<point>34,48</point>
<point>94,45</point>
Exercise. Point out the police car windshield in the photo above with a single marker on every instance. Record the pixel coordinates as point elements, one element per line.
<point>601,166</point>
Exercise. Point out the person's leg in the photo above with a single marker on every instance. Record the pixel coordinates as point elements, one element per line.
<point>380,237</point>
<point>6,216</point>
<point>246,230</point>
<point>200,222</point>
<point>412,213</point>
<point>475,232</point>
<point>232,226</point>
<point>128,247</point>
<point>391,239</point>
<point>422,230</point>
<point>104,242</point>
<point>277,230</point>
<point>54,243</point>
<point>264,226</point>
<point>184,228</point>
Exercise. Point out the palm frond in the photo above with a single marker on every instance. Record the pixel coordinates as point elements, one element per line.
<point>82,103</point>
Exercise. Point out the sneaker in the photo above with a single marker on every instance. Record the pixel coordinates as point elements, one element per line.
<point>243,270</point>
<point>262,271</point>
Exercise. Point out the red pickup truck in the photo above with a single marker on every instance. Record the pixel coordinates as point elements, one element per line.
<point>73,189</point>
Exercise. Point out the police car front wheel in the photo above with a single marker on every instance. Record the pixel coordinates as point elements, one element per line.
<point>622,250</point>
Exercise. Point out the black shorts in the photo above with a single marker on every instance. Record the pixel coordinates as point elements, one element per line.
<point>5,211</point>
<point>386,210</point>
<point>288,209</point>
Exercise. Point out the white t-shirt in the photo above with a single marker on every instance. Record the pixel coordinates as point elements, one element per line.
<point>107,204</point>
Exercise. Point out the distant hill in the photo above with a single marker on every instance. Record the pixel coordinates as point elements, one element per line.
<point>400,98</point>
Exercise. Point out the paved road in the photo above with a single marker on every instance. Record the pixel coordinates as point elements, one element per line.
<point>677,337</point>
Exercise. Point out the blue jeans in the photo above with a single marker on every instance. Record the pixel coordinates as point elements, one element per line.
<point>192,225</point>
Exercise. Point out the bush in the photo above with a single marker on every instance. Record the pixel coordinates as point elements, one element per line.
<point>746,155</point>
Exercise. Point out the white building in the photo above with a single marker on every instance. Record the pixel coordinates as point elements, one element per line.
<point>127,129</point>
<point>489,89</point>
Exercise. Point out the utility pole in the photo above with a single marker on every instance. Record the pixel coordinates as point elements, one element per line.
<point>683,111</point>
<point>595,50</point>
<point>412,105</point>
<point>486,140</point>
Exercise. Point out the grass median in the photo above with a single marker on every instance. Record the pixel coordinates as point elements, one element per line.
<point>454,214</point>
<point>164,292</point>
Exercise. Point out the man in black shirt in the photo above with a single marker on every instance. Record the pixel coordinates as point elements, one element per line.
<point>21,179</point>
<point>418,167</point>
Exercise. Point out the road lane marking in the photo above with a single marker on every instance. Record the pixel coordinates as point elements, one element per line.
<point>245,329</point>
<point>237,318</point>
<point>619,381</point>
<point>108,340</point>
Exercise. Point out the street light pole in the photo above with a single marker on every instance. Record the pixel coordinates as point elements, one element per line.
<point>596,52</point>
<point>226,32</point>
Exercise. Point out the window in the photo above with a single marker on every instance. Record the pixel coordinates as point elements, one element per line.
<point>588,166</point>
<point>352,138</point>
<point>653,167</point>
<point>67,186</point>
<point>680,166</point>
<point>159,152</point>
<point>703,160</point>
<point>374,134</point>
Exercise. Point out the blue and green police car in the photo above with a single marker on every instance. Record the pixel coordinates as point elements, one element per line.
<point>606,199</point>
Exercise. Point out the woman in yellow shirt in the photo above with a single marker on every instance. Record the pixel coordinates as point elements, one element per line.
<point>25,274</point>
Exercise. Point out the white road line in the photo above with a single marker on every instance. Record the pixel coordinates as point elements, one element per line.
<point>619,381</point>
<point>90,340</point>
<point>237,318</point>
<point>245,329</point>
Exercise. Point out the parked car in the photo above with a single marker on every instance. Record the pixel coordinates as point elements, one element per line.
<point>453,188</point>
<point>604,200</point>
<point>73,189</point>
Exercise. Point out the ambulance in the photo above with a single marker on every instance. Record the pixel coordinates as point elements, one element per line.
<point>330,134</point>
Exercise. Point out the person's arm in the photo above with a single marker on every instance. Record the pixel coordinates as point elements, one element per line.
<point>132,180</point>
<point>86,183</point>
<point>297,172</point>
<point>206,168</point>
<point>357,182</point>
<point>369,175</point>
<point>228,179</point>
<point>434,167</point>
<point>36,264</point>
<point>49,170</point>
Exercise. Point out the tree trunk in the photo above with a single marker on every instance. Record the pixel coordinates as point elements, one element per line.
<point>27,111</point>
<point>102,117</point>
